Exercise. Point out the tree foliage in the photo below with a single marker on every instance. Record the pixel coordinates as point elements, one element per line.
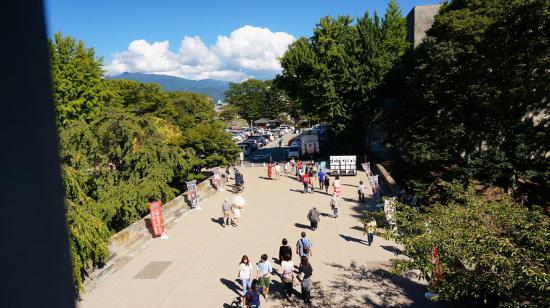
<point>254,99</point>
<point>473,98</point>
<point>333,76</point>
<point>123,142</point>
<point>493,251</point>
<point>76,76</point>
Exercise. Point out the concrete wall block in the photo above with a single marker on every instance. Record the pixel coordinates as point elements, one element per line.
<point>128,242</point>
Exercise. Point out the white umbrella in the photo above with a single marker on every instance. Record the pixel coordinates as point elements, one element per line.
<point>239,201</point>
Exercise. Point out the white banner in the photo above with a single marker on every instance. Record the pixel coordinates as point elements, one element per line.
<point>192,191</point>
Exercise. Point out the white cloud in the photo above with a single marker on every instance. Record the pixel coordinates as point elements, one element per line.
<point>248,52</point>
<point>254,48</point>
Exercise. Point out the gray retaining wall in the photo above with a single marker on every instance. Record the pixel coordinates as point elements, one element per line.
<point>131,240</point>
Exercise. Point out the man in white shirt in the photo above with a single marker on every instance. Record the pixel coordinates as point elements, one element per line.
<point>361,192</point>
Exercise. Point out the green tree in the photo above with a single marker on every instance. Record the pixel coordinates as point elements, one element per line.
<point>472,99</point>
<point>76,76</point>
<point>334,76</point>
<point>254,99</point>
<point>492,251</point>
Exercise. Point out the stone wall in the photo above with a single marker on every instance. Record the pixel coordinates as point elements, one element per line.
<point>419,20</point>
<point>128,242</point>
<point>387,183</point>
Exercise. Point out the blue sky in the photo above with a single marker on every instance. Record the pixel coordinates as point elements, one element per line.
<point>230,40</point>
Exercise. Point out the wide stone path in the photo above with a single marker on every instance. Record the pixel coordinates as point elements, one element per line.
<point>197,266</point>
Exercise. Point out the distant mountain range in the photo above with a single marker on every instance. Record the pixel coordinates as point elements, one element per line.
<point>210,87</point>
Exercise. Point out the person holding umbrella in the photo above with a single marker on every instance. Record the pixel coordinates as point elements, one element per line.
<point>237,206</point>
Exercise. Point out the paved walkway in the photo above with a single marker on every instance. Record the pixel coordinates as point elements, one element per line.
<point>197,266</point>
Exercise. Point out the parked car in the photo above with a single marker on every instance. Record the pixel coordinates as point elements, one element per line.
<point>260,139</point>
<point>269,137</point>
<point>245,148</point>
<point>252,142</point>
<point>287,128</point>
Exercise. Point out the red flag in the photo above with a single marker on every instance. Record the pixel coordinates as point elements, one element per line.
<point>157,221</point>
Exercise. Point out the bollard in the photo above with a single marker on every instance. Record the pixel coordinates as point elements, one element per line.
<point>264,165</point>
<point>252,164</point>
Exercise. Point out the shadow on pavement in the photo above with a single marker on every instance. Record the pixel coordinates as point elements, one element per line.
<point>218,221</point>
<point>302,226</point>
<point>353,239</point>
<point>231,285</point>
<point>358,228</point>
<point>357,286</point>
<point>393,249</point>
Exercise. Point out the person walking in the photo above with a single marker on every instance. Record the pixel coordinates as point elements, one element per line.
<point>303,246</point>
<point>327,183</point>
<point>305,181</point>
<point>321,176</point>
<point>305,271</point>
<point>286,168</point>
<point>277,171</point>
<point>263,273</point>
<point>298,168</point>
<point>241,157</point>
<point>227,213</point>
<point>253,295</point>
<point>337,186</point>
<point>293,165</point>
<point>287,277</point>
<point>280,142</point>
<point>285,250</point>
<point>227,174</point>
<point>310,184</point>
<point>314,217</point>
<point>236,214</point>
<point>244,276</point>
<point>371,229</point>
<point>361,192</point>
<point>334,204</point>
<point>270,170</point>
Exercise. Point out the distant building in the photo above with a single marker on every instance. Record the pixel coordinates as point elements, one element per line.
<point>419,20</point>
<point>265,123</point>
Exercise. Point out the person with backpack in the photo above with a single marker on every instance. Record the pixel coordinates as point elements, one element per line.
<point>263,273</point>
<point>244,275</point>
<point>314,216</point>
<point>304,275</point>
<point>303,246</point>
<point>288,276</point>
<point>252,296</point>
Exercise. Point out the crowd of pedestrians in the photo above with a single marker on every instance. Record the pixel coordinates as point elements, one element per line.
<point>256,281</point>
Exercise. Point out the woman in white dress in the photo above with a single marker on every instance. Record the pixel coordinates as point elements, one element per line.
<point>244,275</point>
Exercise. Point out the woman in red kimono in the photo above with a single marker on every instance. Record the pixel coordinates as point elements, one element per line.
<point>269,170</point>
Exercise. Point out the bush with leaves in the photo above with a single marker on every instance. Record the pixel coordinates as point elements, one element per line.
<point>493,251</point>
